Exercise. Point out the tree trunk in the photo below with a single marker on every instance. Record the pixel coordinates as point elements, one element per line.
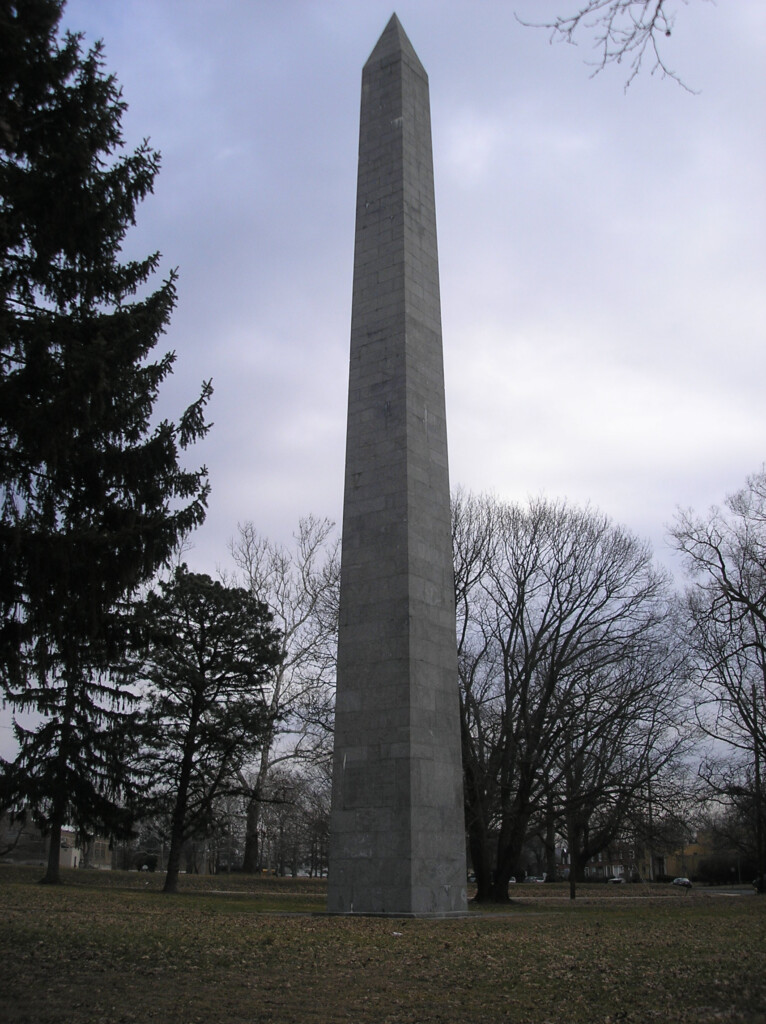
<point>550,840</point>
<point>481,858</point>
<point>52,874</point>
<point>500,884</point>
<point>509,846</point>
<point>250,863</point>
<point>281,854</point>
<point>174,862</point>
<point>252,852</point>
<point>178,821</point>
<point>759,841</point>
<point>578,858</point>
<point>503,872</point>
<point>576,866</point>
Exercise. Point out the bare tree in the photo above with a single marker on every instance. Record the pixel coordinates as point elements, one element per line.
<point>300,585</point>
<point>730,663</point>
<point>550,598</point>
<point>624,733</point>
<point>725,552</point>
<point>474,537</point>
<point>631,32</point>
<point>294,827</point>
<point>725,557</point>
<point>730,817</point>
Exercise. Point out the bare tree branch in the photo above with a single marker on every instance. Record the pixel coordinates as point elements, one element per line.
<point>632,32</point>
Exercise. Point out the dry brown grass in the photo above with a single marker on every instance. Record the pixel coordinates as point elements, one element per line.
<point>111,948</point>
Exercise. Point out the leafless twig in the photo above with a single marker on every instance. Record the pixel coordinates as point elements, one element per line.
<point>624,31</point>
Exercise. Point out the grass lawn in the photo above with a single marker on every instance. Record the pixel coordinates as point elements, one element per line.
<point>109,947</point>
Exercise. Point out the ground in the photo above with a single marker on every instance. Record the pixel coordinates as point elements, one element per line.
<point>109,946</point>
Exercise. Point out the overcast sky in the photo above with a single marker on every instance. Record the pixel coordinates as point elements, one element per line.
<point>602,251</point>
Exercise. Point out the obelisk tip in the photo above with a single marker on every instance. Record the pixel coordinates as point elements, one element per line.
<point>394,43</point>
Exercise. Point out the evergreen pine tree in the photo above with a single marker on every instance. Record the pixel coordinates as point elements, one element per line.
<point>211,651</point>
<point>93,497</point>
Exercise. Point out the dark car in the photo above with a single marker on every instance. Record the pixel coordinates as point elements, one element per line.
<point>682,881</point>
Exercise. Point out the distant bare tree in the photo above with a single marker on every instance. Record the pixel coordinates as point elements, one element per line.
<point>624,734</point>
<point>300,586</point>
<point>731,816</point>
<point>294,826</point>
<point>632,32</point>
<point>725,556</point>
<point>725,552</point>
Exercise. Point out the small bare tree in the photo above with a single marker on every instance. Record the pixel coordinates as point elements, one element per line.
<point>294,826</point>
<point>300,585</point>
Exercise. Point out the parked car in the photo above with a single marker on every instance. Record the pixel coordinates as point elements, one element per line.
<point>619,880</point>
<point>682,881</point>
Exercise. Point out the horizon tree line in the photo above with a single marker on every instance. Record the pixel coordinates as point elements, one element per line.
<point>585,679</point>
<point>582,698</point>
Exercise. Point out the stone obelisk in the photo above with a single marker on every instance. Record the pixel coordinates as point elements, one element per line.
<point>397,840</point>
